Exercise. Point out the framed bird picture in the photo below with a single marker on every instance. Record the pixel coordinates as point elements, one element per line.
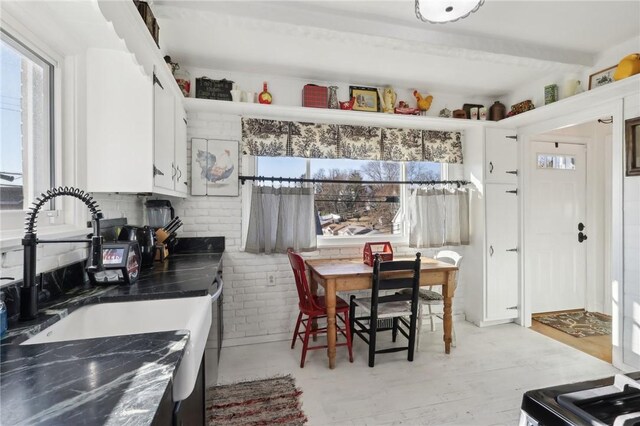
<point>214,167</point>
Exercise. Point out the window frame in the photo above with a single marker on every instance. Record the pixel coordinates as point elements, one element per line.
<point>61,216</point>
<point>250,166</point>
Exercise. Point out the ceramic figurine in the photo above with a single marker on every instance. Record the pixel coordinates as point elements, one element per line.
<point>264,97</point>
<point>424,103</point>
<point>445,112</point>
<point>387,99</point>
<point>348,104</point>
<point>333,97</point>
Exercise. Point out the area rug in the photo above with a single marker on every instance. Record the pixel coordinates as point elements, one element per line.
<point>578,324</point>
<point>272,401</point>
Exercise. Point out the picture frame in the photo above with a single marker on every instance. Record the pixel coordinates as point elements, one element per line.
<point>366,98</point>
<point>214,167</point>
<point>602,77</point>
<point>632,145</point>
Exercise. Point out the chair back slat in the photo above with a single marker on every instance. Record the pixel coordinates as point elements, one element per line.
<point>380,283</point>
<point>305,297</point>
<point>401,297</point>
<point>396,283</point>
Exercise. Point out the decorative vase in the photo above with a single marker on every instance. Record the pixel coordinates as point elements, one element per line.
<point>265,97</point>
<point>333,97</point>
<point>497,111</point>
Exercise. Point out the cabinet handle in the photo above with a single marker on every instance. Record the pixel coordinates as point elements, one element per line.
<point>490,167</point>
<point>512,172</point>
<point>513,249</point>
<point>173,171</point>
<point>157,171</point>
<point>515,192</point>
<point>180,173</point>
<point>490,250</point>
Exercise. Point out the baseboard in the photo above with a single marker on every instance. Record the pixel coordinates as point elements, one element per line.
<point>253,340</point>
<point>279,337</point>
<point>494,322</point>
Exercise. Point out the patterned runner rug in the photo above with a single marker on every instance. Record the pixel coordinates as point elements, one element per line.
<point>272,401</point>
<point>578,324</point>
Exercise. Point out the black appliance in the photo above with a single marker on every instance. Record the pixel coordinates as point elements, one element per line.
<point>146,240</point>
<point>611,401</point>
<point>121,262</point>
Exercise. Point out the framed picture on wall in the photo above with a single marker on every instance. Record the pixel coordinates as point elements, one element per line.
<point>632,141</point>
<point>366,98</point>
<point>214,167</point>
<point>601,78</point>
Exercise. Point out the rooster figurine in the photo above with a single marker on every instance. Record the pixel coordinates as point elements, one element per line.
<point>423,103</point>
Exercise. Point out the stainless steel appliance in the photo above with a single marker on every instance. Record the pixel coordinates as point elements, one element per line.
<point>214,340</point>
<point>611,401</point>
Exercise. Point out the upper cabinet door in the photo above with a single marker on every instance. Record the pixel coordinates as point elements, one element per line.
<point>182,181</point>
<point>164,134</point>
<point>501,156</point>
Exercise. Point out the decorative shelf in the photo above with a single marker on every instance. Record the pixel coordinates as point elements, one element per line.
<point>332,116</point>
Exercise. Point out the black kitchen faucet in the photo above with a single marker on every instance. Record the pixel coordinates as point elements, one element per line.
<point>29,289</point>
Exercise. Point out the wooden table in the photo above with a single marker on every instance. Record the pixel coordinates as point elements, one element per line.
<point>352,274</point>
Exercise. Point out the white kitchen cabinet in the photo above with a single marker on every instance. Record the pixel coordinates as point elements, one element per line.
<point>493,255</point>
<point>501,240</point>
<point>181,180</point>
<point>500,157</point>
<point>164,168</point>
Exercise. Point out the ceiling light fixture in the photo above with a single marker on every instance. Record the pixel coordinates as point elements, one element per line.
<point>443,11</point>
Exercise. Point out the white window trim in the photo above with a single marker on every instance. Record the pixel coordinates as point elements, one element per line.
<point>68,219</point>
<point>249,167</point>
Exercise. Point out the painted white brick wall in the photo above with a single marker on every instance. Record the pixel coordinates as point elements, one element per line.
<point>253,310</point>
<point>53,256</point>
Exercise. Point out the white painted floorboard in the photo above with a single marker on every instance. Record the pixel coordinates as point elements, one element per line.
<point>480,383</point>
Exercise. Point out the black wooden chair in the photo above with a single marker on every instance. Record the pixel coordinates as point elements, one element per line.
<point>402,308</point>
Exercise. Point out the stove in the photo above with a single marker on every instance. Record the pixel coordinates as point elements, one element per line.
<point>613,401</point>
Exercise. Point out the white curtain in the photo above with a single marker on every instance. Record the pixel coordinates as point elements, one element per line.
<point>281,218</point>
<point>438,217</point>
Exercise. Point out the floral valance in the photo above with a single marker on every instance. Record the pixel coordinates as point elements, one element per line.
<point>275,138</point>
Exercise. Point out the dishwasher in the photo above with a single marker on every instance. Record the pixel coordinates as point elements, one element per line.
<point>214,340</point>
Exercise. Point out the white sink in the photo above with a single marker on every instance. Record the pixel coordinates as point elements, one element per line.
<point>148,316</point>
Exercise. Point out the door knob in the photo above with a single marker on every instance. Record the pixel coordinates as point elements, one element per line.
<point>581,226</point>
<point>581,237</point>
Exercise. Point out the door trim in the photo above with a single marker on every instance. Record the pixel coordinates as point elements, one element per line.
<point>614,210</point>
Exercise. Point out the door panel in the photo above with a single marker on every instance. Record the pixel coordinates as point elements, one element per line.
<point>500,156</point>
<point>181,148</point>
<point>502,265</point>
<point>556,261</point>
<point>163,133</point>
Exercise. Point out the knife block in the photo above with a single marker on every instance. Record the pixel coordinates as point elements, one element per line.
<point>162,252</point>
<point>161,235</point>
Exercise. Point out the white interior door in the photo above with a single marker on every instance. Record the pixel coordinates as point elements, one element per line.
<point>555,259</point>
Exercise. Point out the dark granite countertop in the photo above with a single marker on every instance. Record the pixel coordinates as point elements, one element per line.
<point>112,380</point>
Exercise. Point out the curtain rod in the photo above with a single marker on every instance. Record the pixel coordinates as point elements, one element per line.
<point>364,182</point>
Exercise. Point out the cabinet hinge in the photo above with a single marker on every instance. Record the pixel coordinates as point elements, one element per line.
<point>157,171</point>
<point>512,307</point>
<point>515,192</point>
<point>514,137</point>
<point>156,81</point>
<point>513,249</point>
<point>512,172</point>
<point>185,120</point>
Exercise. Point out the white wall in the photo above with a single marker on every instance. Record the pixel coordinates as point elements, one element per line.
<point>631,285</point>
<point>535,89</point>
<point>253,310</point>
<point>288,91</point>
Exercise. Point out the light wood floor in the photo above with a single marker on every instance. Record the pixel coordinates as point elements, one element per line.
<point>480,383</point>
<point>597,346</point>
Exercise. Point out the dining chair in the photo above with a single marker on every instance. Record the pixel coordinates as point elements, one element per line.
<point>389,276</point>
<point>313,307</point>
<point>429,298</point>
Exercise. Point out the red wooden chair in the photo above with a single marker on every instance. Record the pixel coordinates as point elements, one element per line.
<point>314,307</point>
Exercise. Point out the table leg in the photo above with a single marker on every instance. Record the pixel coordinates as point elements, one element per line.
<point>447,293</point>
<point>330,300</point>
<point>313,284</point>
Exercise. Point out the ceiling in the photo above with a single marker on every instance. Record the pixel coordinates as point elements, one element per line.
<point>492,52</point>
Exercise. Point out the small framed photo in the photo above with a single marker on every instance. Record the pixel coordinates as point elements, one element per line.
<point>366,98</point>
<point>602,77</point>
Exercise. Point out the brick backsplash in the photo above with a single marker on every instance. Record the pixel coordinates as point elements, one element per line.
<point>53,256</point>
<point>253,311</point>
